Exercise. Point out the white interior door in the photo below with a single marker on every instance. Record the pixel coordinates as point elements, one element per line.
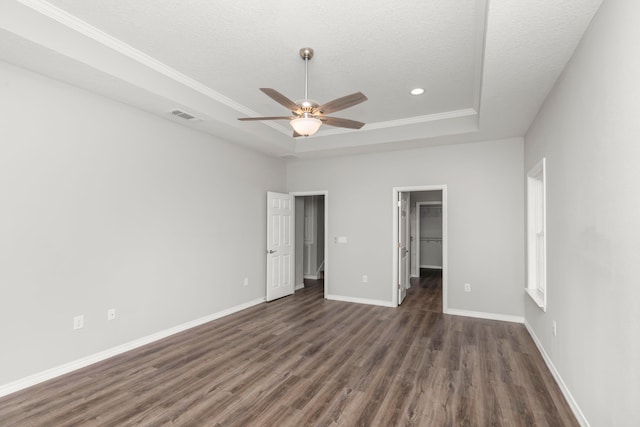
<point>280,247</point>
<point>403,245</point>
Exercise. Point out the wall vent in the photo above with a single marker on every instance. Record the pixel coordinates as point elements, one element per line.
<point>183,115</point>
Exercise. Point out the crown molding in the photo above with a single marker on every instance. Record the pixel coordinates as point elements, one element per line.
<point>467,112</point>
<point>81,27</point>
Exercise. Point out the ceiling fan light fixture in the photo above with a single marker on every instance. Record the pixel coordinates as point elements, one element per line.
<point>306,126</point>
<point>308,115</point>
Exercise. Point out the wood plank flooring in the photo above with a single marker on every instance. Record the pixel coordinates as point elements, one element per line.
<point>425,292</point>
<point>329,363</point>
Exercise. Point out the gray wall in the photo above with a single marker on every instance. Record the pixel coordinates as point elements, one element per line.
<point>104,206</point>
<point>588,129</point>
<point>486,219</point>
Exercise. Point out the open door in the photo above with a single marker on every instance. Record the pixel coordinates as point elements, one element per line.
<point>403,245</point>
<point>280,247</point>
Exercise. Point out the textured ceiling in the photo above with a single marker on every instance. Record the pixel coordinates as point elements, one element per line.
<point>217,42</point>
<point>485,67</point>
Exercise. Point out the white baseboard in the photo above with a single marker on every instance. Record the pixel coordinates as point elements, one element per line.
<point>360,300</point>
<point>299,286</point>
<point>432,267</point>
<point>31,380</point>
<point>582,420</point>
<point>481,315</point>
<point>310,276</point>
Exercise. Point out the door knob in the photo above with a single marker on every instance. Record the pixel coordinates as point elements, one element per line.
<point>270,251</point>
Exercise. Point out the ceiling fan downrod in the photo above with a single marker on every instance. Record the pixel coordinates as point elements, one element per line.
<point>306,53</point>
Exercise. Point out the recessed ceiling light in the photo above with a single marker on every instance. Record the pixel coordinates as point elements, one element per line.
<point>417,91</point>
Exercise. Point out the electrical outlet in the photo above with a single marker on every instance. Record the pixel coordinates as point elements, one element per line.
<point>111,314</point>
<point>246,281</point>
<point>365,279</point>
<point>78,322</point>
<point>467,287</point>
<point>555,329</point>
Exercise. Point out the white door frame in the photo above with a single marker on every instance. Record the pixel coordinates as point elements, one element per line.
<point>326,230</point>
<point>394,246</point>
<point>404,251</point>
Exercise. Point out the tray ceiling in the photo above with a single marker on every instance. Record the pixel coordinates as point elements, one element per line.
<point>485,66</point>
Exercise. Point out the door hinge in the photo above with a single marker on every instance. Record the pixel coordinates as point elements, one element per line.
<point>399,286</point>
<point>399,205</point>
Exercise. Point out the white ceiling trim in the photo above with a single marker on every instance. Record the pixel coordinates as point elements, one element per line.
<point>423,119</point>
<point>47,9</point>
<point>80,26</point>
<point>467,112</point>
<point>519,51</point>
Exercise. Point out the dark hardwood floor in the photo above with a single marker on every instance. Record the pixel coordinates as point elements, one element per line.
<point>306,361</point>
<point>425,292</point>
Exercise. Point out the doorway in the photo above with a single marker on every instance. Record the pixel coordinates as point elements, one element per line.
<point>427,249</point>
<point>427,233</point>
<point>311,231</point>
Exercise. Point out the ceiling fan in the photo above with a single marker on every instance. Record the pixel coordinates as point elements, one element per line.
<point>308,115</point>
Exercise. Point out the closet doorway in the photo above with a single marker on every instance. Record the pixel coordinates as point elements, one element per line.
<point>428,235</point>
<point>311,263</point>
<point>427,247</point>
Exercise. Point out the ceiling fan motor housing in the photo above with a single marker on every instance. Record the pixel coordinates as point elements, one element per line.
<point>307,106</point>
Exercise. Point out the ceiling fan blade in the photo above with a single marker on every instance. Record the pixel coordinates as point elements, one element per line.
<point>342,103</point>
<point>341,123</point>
<point>280,99</point>
<point>296,134</point>
<point>267,118</point>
